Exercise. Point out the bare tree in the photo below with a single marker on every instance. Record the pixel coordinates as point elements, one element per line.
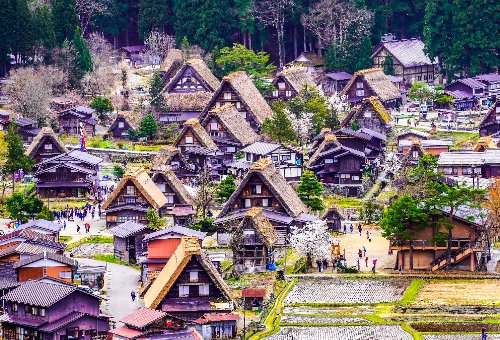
<point>157,45</point>
<point>88,9</point>
<point>101,51</point>
<point>98,82</point>
<point>205,192</point>
<point>273,13</point>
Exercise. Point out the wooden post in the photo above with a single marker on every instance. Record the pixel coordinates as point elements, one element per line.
<point>472,261</point>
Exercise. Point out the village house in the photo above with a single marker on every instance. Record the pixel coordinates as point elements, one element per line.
<point>484,143</point>
<point>334,82</point>
<point>27,129</point>
<point>171,65</point>
<point>491,122</point>
<point>160,247</point>
<point>128,240</point>
<point>44,309</point>
<point>12,254</point>
<point>290,82</point>
<point>132,198</point>
<point>407,58</point>
<point>179,202</point>
<point>189,285</point>
<point>58,104</point>
<point>413,153</point>
<point>71,120</point>
<point>119,128</point>
<point>230,132</point>
<point>253,298</point>
<point>469,163</point>
<point>253,243</point>
<point>25,234</point>
<point>313,63</point>
<point>369,83</point>
<point>46,264</point>
<point>42,227</point>
<point>263,186</point>
<point>432,146</point>
<point>218,325</point>
<point>339,165</point>
<point>413,134</point>
<point>239,90</point>
<point>70,174</point>
<point>45,145</point>
<point>153,323</point>
<point>369,114</point>
<point>170,155</point>
<point>467,93</point>
<point>183,107</point>
<point>4,120</point>
<point>333,218</point>
<point>492,82</point>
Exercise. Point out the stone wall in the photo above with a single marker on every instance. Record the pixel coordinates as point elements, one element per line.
<point>118,156</point>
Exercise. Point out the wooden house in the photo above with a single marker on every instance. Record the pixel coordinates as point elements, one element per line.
<point>333,217</point>
<point>372,82</point>
<point>290,82</point>
<point>170,155</point>
<point>230,132</point>
<point>127,240</point>
<point>26,234</point>
<point>44,309</point>
<point>189,285</point>
<point>313,63</point>
<point>467,163</point>
<point>46,264</point>
<point>184,106</point>
<point>119,128</point>
<point>71,174</point>
<point>45,145</point>
<point>171,65</point>
<point>132,198</point>
<point>4,120</point>
<point>263,186</point>
<point>339,165</point>
<point>27,129</point>
<point>491,121</point>
<point>468,246</point>
<point>484,143</point>
<point>467,93</point>
<point>253,298</point>
<point>334,82</point>
<point>58,104</point>
<point>413,134</point>
<point>239,90</point>
<point>218,325</point>
<point>42,227</point>
<point>253,243</point>
<point>413,154</point>
<point>372,143</point>
<point>432,146</point>
<point>492,82</point>
<point>408,59</point>
<point>69,121</point>
<point>369,114</point>
<point>179,202</point>
<point>195,144</point>
<point>161,245</point>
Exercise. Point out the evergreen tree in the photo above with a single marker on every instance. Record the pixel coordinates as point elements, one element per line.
<point>6,33</point>
<point>225,189</point>
<point>156,86</point>
<point>117,22</point>
<point>154,220</point>
<point>23,40</point>
<point>364,54</point>
<point>43,27</point>
<point>118,171</point>
<point>102,106</point>
<point>310,190</point>
<point>82,58</point>
<point>279,127</point>
<point>45,214</point>
<point>65,20</point>
<point>148,126</point>
<point>332,120</point>
<point>16,159</point>
<point>388,65</point>
<point>310,101</point>
<point>153,14</point>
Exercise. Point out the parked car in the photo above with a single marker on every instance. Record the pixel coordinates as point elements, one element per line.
<point>89,290</point>
<point>412,108</point>
<point>464,121</point>
<point>443,124</point>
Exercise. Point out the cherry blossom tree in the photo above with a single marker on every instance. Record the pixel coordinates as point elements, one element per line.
<point>312,240</point>
<point>302,125</point>
<point>392,163</point>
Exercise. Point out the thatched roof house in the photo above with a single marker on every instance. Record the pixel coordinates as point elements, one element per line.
<point>415,152</point>
<point>166,154</point>
<point>194,135</point>
<point>370,114</point>
<point>484,143</point>
<point>333,217</point>
<point>169,178</point>
<point>39,151</point>
<point>120,126</point>
<point>256,220</point>
<point>171,64</point>
<point>290,82</point>
<point>184,106</point>
<point>194,76</point>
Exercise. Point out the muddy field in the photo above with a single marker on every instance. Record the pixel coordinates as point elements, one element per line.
<point>460,293</point>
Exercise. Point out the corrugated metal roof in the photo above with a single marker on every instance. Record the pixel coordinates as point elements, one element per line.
<point>176,230</point>
<point>490,156</point>
<point>261,148</point>
<point>129,228</point>
<point>409,52</point>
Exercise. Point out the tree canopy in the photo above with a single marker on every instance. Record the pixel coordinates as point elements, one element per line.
<point>310,190</point>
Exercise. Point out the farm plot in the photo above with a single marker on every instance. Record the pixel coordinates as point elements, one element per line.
<point>352,310</point>
<point>320,320</point>
<point>459,293</point>
<point>347,291</point>
<point>459,336</point>
<point>382,332</point>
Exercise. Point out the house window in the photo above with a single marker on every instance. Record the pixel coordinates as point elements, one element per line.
<point>47,146</point>
<point>360,93</point>
<point>189,140</point>
<point>227,95</point>
<point>231,149</point>
<point>345,176</point>
<point>243,114</point>
<point>214,127</point>
<point>34,310</point>
<point>130,190</point>
<point>248,203</point>
<point>161,186</point>
<point>249,157</point>
<point>275,93</point>
<point>419,78</point>
<point>286,157</point>
<point>129,200</point>
<point>65,275</point>
<point>174,164</point>
<point>425,76</point>
<point>13,307</point>
<point>249,232</point>
<point>265,202</point>
<point>238,105</point>
<point>170,199</point>
<point>274,158</point>
<point>256,189</point>
<point>450,171</point>
<point>281,86</point>
<point>41,311</point>
<point>193,276</point>
<point>430,76</point>
<point>368,114</point>
<point>217,105</point>
<point>121,125</point>
<point>355,178</point>
<point>328,160</point>
<point>288,93</point>
<point>359,85</point>
<point>415,154</point>
<point>466,171</point>
<point>203,290</point>
<point>183,291</point>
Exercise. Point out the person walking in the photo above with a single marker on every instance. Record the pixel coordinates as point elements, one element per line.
<point>132,294</point>
<point>364,251</point>
<point>78,229</point>
<point>318,264</point>
<point>325,264</point>
<point>64,225</point>
<point>367,235</point>
<point>345,229</point>
<point>360,253</point>
<point>400,269</point>
<point>483,334</point>
<point>374,264</point>
<point>351,228</point>
<point>366,261</point>
<point>360,229</point>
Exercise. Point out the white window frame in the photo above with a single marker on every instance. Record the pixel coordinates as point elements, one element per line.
<point>275,93</point>
<point>281,85</point>
<point>360,93</point>
<point>243,114</point>
<point>214,126</point>
<point>204,290</point>
<point>161,186</point>
<point>183,291</point>
<point>368,114</point>
<point>65,275</point>
<point>258,189</point>
<point>47,146</point>
<point>193,276</point>
<point>189,140</point>
<point>231,149</point>
<point>121,125</point>
<point>238,105</point>
<point>130,190</point>
<point>227,95</point>
<point>248,203</point>
<point>415,154</point>
<point>265,202</point>
<point>328,160</point>
<point>288,93</point>
<point>170,199</point>
<point>217,105</point>
<point>355,177</point>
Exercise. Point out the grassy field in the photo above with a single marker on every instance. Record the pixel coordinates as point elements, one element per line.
<point>91,239</point>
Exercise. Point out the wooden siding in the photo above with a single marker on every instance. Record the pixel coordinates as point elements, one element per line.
<point>256,198</point>
<point>423,73</point>
<point>30,273</point>
<point>162,249</point>
<point>280,93</point>
<point>351,92</point>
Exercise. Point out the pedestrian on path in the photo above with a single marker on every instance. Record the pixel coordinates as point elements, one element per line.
<point>364,251</point>
<point>318,264</point>
<point>360,229</point>
<point>78,229</point>
<point>345,229</point>
<point>64,225</point>
<point>366,261</point>
<point>351,228</point>
<point>374,263</point>
<point>367,234</point>
<point>360,253</point>
<point>325,264</point>
<point>400,269</point>
<point>132,295</point>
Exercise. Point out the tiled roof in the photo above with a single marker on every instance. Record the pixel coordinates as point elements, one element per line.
<point>9,283</point>
<point>25,248</point>
<point>459,94</point>
<point>414,132</point>
<point>261,148</point>
<point>253,292</point>
<point>55,325</point>
<point>24,121</point>
<point>490,156</point>
<point>176,230</point>
<point>409,52</point>
<point>374,133</point>
<point>50,256</point>
<point>20,321</point>
<point>84,156</point>
<point>217,317</point>
<point>426,143</point>
<point>472,83</point>
<point>142,317</point>
<point>490,77</point>
<point>27,234</point>
<point>182,210</point>
<point>126,332</point>
<point>129,228</point>
<point>42,294</point>
<point>41,224</point>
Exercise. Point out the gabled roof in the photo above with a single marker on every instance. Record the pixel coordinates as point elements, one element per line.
<point>120,117</point>
<point>427,143</point>
<point>217,317</point>
<point>164,157</point>
<point>421,134</point>
<point>199,133</point>
<point>484,143</point>
<point>143,317</point>
<point>409,52</point>
<point>129,228</point>
<point>172,60</point>
<point>255,219</point>
<point>176,229</point>
<point>76,155</point>
<point>377,81</point>
<point>279,187</point>
<point>174,183</point>
<point>41,224</point>
<point>247,92</point>
<point>66,165</point>
<point>200,69</point>
<point>25,248</point>
<point>489,156</point>
<point>492,111</point>
<point>261,148</point>
<point>326,148</point>
<point>144,184</point>
<point>471,82</point>
<point>490,77</point>
<point>49,256</point>
<point>188,248</point>
<point>187,102</point>
<point>234,123</point>
<point>45,133</point>
<point>308,59</point>
<point>22,122</point>
<point>67,319</point>
<point>359,109</point>
<point>416,145</point>
<point>333,210</point>
<point>27,234</point>
<point>338,75</point>
<point>296,77</point>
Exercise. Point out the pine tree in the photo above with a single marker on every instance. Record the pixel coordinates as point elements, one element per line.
<point>116,23</point>
<point>82,60</point>
<point>102,106</point>
<point>65,20</point>
<point>388,65</point>
<point>153,14</point>
<point>43,27</point>
<point>23,40</point>
<point>310,190</point>
<point>16,159</point>
<point>156,86</point>
<point>6,32</point>
<point>225,189</point>
<point>279,127</point>
<point>148,126</point>
<point>365,51</point>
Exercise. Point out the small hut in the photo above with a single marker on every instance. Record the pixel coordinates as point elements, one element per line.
<point>333,217</point>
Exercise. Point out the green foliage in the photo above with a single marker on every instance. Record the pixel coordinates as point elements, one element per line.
<point>420,91</point>
<point>226,188</point>
<point>154,220</point>
<point>310,190</point>
<point>153,15</point>
<point>239,58</point>
<point>6,30</point>
<point>346,270</point>
<point>300,266</point>
<point>65,20</point>
<point>444,99</point>
<point>355,126</point>
<point>204,224</point>
<point>117,22</point>
<point>16,159</point>
<point>238,155</point>
<point>90,239</point>
<point>371,211</point>
<point>23,39</point>
<point>82,57</point>
<point>310,101</point>
<point>332,120</point>
<point>364,54</point>
<point>156,93</point>
<point>412,291</point>
<point>43,27</point>
<point>388,65</point>
<point>118,171</point>
<point>20,207</point>
<point>349,56</point>
<point>65,239</point>
<point>133,135</point>
<point>279,127</point>
<point>45,214</point>
<point>148,126</point>
<point>439,239</point>
<point>102,105</point>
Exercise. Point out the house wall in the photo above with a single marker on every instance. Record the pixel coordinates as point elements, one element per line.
<point>281,93</point>
<point>29,273</point>
<point>432,150</point>
<point>118,132</point>
<point>69,125</point>
<point>42,153</point>
<point>116,217</point>
<point>76,301</point>
<point>167,190</point>
<point>119,247</point>
<point>85,323</point>
<point>189,82</point>
<point>352,142</point>
<point>351,92</point>
<point>249,249</point>
<point>162,248</point>
<point>491,123</point>
<point>370,119</point>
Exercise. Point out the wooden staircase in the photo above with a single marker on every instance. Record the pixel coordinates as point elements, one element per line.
<point>456,256</point>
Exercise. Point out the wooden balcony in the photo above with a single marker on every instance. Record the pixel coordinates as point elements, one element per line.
<point>426,245</point>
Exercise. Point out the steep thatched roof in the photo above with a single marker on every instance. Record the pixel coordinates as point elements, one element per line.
<point>164,157</point>
<point>365,104</point>
<point>165,280</point>
<point>234,123</point>
<point>172,60</point>
<point>333,210</point>
<point>199,68</point>
<point>144,184</point>
<point>328,140</point>
<point>45,133</point>
<point>416,145</point>
<point>190,102</point>
<point>484,143</point>
<point>377,81</point>
<point>121,117</point>
<point>175,184</point>
<point>492,111</point>
<point>296,77</point>
<point>199,132</point>
<point>255,219</point>
<point>276,183</point>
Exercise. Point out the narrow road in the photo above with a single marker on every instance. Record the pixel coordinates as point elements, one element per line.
<point>121,281</point>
